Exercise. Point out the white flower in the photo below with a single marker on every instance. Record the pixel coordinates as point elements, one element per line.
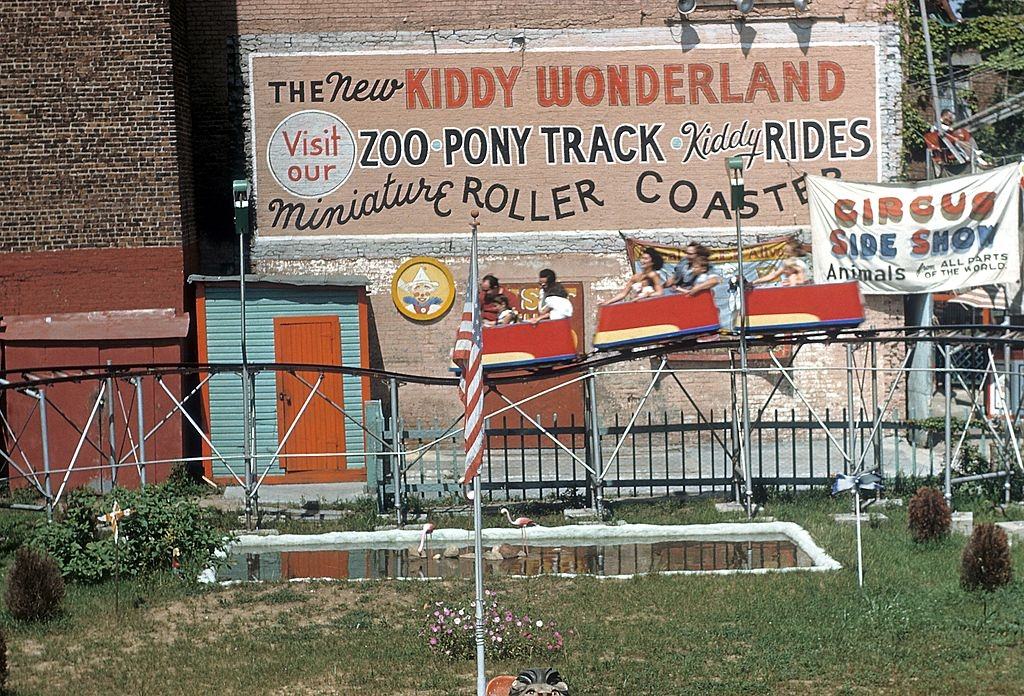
<point>540,624</point>
<point>457,621</point>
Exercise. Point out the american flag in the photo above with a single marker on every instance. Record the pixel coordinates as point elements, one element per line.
<point>468,347</point>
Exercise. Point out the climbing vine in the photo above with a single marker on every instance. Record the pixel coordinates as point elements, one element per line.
<point>994,28</point>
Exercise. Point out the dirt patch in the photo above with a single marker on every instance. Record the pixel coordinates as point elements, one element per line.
<point>228,610</point>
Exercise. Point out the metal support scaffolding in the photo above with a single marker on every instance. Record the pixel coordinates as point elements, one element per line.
<point>860,447</point>
<point>397,446</point>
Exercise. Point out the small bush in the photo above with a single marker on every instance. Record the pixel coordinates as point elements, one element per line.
<point>35,587</point>
<point>161,520</point>
<point>986,563</point>
<point>3,662</point>
<point>928,515</point>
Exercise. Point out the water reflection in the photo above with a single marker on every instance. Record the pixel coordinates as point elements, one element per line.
<point>611,559</point>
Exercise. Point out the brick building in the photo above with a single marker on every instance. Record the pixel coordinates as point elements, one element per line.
<point>97,230</point>
<point>274,43</point>
<point>124,123</point>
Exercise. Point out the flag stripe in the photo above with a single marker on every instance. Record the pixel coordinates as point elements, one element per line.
<point>467,355</point>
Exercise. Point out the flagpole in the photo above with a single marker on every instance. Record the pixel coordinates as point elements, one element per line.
<point>478,550</point>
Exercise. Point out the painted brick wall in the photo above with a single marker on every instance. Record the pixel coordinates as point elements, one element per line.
<point>216,80</point>
<point>595,258</point>
<point>94,148</point>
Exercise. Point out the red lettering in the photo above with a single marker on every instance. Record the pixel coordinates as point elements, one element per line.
<point>673,83</point>
<point>889,210</point>
<point>586,98</point>
<point>827,92</point>
<point>838,239</point>
<point>845,212</point>
<point>415,92</point>
<point>435,80</point>
<point>560,91</point>
<point>982,205</point>
<point>761,81</point>
<point>618,85</point>
<point>507,82</point>
<point>921,209</point>
<point>456,88</point>
<point>951,210</point>
<point>647,85</point>
<point>919,243</point>
<point>483,87</point>
<point>798,80</point>
<point>291,145</point>
<point>700,75</point>
<point>727,96</point>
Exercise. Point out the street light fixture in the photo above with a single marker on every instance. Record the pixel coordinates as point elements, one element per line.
<point>686,7</point>
<point>734,168</point>
<point>744,6</point>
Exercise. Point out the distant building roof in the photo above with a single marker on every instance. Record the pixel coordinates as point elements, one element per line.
<point>341,281</point>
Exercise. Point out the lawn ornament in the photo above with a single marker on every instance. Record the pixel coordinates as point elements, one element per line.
<point>422,551</point>
<point>531,682</point>
<point>522,523</point>
<point>864,481</point>
<point>113,519</point>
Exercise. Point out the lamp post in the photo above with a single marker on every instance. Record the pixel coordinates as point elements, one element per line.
<point>734,167</point>
<point>242,194</point>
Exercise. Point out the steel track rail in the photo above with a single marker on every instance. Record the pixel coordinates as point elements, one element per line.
<point>21,379</point>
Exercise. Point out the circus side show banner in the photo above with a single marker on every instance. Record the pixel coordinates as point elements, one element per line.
<point>926,237</point>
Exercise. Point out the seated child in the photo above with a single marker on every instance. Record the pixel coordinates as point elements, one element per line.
<point>506,315</point>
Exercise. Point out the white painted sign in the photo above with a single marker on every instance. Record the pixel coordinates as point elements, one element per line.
<point>930,236</point>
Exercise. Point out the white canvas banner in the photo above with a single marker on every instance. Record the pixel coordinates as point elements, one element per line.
<point>931,236</point>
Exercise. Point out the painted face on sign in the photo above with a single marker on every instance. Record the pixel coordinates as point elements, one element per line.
<point>422,293</point>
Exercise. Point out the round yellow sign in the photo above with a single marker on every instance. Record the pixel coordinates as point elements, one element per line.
<point>423,289</point>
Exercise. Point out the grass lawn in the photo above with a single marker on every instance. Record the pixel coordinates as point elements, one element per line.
<point>911,631</point>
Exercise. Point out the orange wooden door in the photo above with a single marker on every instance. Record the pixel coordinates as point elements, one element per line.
<point>309,340</point>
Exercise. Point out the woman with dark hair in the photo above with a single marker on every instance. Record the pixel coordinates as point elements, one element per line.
<point>646,282</point>
<point>554,300</point>
<point>792,270</point>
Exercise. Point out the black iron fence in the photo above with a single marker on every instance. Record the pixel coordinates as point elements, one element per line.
<point>662,453</point>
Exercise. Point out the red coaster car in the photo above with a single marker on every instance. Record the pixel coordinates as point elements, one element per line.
<point>655,320</point>
<point>802,307</point>
<point>526,345</point>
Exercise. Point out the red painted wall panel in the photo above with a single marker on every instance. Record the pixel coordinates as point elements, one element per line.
<point>88,280</point>
<point>70,403</point>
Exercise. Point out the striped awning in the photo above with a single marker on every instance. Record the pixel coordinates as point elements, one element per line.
<point>984,297</point>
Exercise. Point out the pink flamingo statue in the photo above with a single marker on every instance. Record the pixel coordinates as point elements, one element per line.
<point>522,523</point>
<point>421,550</point>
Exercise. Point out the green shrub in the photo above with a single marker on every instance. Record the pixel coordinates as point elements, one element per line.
<point>969,463</point>
<point>187,481</point>
<point>986,562</point>
<point>928,515</point>
<point>15,529</point>
<point>35,588</point>
<point>162,519</point>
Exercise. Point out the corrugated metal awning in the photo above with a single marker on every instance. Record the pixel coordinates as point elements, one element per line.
<point>118,325</point>
<point>313,280</point>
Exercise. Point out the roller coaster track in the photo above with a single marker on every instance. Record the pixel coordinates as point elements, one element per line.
<point>28,379</point>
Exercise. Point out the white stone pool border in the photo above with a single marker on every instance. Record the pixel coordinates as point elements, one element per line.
<point>724,531</point>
